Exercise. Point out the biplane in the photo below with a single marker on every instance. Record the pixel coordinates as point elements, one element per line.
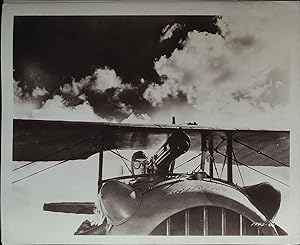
<point>154,199</point>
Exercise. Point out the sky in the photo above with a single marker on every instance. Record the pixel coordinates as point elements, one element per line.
<point>217,71</point>
<point>220,70</point>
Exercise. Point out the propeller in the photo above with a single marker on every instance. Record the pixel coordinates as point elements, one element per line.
<point>70,207</point>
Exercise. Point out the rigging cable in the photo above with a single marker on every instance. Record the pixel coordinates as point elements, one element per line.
<point>215,149</point>
<point>255,170</point>
<point>198,155</point>
<point>122,157</point>
<point>50,154</point>
<point>199,164</point>
<point>223,166</point>
<point>52,166</point>
<point>194,170</point>
<point>194,157</point>
<point>40,171</point>
<point>216,170</point>
<point>214,163</point>
<point>238,168</point>
<point>124,161</point>
<point>260,153</point>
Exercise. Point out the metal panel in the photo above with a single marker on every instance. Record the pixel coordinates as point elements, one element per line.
<point>157,207</point>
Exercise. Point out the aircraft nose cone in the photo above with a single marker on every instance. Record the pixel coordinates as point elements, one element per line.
<point>118,201</point>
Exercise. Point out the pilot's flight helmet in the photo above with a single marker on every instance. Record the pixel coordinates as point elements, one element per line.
<point>138,162</point>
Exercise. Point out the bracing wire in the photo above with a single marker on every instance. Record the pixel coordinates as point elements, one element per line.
<point>216,170</point>
<point>124,161</point>
<point>40,171</point>
<point>52,166</point>
<point>194,170</point>
<point>255,170</point>
<point>50,154</point>
<point>215,149</point>
<point>260,153</point>
<point>122,157</point>
<point>198,155</point>
<point>191,159</point>
<point>223,166</point>
<point>119,155</point>
<point>214,163</point>
<point>200,164</point>
<point>238,168</point>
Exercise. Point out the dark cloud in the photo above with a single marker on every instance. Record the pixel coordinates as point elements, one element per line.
<point>128,68</point>
<point>63,53</point>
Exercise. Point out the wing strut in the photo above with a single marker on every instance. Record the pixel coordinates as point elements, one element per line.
<point>100,169</point>
<point>211,153</point>
<point>229,157</point>
<point>203,150</point>
<point>173,163</point>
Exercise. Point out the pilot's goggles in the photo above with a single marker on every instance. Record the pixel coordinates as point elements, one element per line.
<point>137,163</point>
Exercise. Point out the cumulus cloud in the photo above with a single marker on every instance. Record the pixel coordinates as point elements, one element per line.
<point>156,93</point>
<point>29,106</point>
<point>73,101</point>
<point>39,92</point>
<point>106,79</point>
<point>56,109</point>
<point>102,90</point>
<point>24,104</point>
<point>168,31</point>
<point>18,91</point>
<point>75,87</point>
<point>100,81</point>
<point>141,118</point>
<point>240,72</point>
<point>124,108</point>
<point>239,75</point>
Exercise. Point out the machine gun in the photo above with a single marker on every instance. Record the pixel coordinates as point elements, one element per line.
<point>162,161</point>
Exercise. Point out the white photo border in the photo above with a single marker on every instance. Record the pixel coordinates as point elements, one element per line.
<point>288,9</point>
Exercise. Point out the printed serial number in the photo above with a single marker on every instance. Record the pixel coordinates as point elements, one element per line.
<point>261,224</point>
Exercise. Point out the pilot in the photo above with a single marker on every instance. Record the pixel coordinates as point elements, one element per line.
<point>139,163</point>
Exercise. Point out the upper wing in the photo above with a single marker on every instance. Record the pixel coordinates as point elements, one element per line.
<point>259,148</point>
<point>39,140</point>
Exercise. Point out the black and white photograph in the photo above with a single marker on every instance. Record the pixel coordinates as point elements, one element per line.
<point>162,126</point>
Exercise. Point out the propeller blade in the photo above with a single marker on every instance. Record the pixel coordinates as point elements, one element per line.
<point>70,207</point>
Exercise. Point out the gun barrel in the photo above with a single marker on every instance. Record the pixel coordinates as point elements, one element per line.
<point>177,144</point>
